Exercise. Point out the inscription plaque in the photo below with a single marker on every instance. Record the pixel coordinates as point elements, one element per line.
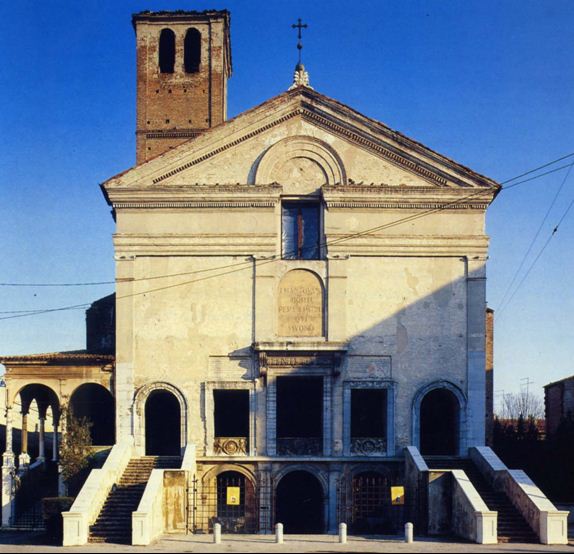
<point>300,305</point>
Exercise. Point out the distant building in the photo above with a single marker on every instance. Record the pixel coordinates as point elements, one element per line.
<point>558,403</point>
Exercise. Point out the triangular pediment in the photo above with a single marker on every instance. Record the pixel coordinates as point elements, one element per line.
<point>305,140</point>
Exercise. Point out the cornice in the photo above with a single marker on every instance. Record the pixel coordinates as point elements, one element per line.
<point>404,197</point>
<point>194,196</point>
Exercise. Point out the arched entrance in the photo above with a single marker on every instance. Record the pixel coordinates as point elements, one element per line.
<point>96,404</point>
<point>299,503</point>
<point>439,423</point>
<point>162,424</point>
<point>236,511</point>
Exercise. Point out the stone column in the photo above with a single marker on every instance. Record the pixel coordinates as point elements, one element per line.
<point>327,416</point>
<point>332,499</point>
<point>265,501</point>
<point>42,439</point>
<point>271,446</point>
<point>8,473</point>
<point>55,441</point>
<point>24,458</point>
<point>62,487</point>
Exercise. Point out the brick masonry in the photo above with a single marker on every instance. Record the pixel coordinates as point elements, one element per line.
<point>174,107</point>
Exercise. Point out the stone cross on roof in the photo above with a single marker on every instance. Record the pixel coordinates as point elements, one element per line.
<point>301,77</point>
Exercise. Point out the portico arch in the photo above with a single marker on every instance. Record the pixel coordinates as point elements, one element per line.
<point>148,401</point>
<point>300,502</point>
<point>439,418</point>
<point>95,403</point>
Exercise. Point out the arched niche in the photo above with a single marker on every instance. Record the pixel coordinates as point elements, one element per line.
<point>302,164</point>
<point>192,51</point>
<point>95,403</point>
<point>439,419</point>
<point>300,305</point>
<point>166,51</point>
<point>144,410</point>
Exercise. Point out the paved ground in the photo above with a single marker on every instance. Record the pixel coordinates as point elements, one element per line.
<point>254,544</point>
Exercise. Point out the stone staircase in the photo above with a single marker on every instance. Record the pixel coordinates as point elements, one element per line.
<point>114,523</point>
<point>512,527</point>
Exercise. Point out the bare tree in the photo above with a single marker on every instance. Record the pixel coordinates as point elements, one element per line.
<point>524,403</point>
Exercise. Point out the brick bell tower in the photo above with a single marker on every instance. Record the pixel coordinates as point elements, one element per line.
<point>183,63</point>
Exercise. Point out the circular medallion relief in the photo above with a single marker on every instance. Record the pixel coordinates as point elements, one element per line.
<point>302,164</point>
<point>302,174</point>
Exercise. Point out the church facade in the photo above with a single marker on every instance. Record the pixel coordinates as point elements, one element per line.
<point>300,290</point>
<point>301,295</point>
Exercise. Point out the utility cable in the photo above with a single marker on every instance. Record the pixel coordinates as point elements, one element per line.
<point>539,255</point>
<point>273,259</point>
<point>248,264</point>
<point>533,241</point>
<point>97,283</point>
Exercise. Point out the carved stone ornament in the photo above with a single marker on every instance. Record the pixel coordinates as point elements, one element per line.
<point>369,446</point>
<point>230,446</point>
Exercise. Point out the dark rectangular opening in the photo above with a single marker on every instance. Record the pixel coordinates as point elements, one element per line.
<point>369,413</point>
<point>300,231</point>
<point>299,415</point>
<point>231,413</point>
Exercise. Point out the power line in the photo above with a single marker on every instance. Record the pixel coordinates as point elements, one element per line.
<point>538,168</point>
<point>533,241</point>
<point>248,263</point>
<point>538,176</point>
<point>533,264</point>
<point>273,259</point>
<point>98,283</point>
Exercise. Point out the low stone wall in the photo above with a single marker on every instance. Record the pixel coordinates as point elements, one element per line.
<point>148,519</point>
<point>471,518</point>
<point>416,489</point>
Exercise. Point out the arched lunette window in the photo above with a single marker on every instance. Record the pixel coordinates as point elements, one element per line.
<point>192,51</point>
<point>166,51</point>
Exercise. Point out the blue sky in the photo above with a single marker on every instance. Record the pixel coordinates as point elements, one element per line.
<point>488,83</point>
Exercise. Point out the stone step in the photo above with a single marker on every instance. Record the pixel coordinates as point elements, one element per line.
<point>113,524</point>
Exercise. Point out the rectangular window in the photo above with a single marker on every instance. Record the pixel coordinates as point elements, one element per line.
<point>231,413</point>
<point>300,231</point>
<point>368,413</point>
<point>299,416</point>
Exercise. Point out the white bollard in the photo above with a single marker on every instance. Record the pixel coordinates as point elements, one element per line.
<point>343,533</point>
<point>408,532</point>
<point>217,533</point>
<point>279,533</point>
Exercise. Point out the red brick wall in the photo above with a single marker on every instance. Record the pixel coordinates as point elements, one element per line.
<point>489,393</point>
<point>174,107</point>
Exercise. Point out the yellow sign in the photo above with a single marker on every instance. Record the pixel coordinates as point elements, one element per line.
<point>233,496</point>
<point>398,496</point>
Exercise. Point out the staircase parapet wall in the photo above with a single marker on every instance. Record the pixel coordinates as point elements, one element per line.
<point>148,519</point>
<point>471,518</point>
<point>89,502</point>
<point>189,462</point>
<point>550,524</point>
<point>416,489</point>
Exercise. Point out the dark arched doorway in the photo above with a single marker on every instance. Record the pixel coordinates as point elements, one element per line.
<point>236,510</point>
<point>96,404</point>
<point>162,424</point>
<point>299,503</point>
<point>439,416</point>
